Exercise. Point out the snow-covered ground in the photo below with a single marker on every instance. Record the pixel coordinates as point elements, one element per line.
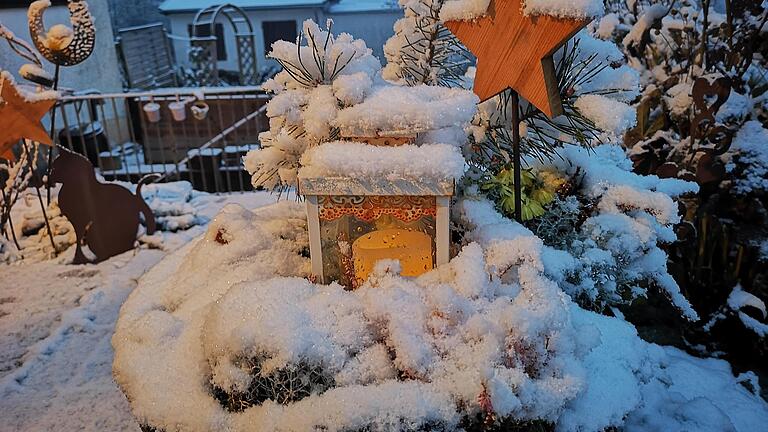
<point>56,322</point>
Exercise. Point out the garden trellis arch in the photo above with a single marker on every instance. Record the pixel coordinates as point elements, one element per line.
<point>204,24</point>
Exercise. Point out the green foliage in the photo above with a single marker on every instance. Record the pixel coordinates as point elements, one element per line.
<point>535,192</point>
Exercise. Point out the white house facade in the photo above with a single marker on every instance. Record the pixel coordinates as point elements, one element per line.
<point>370,20</point>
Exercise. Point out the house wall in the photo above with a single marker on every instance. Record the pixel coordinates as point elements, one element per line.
<point>181,21</point>
<point>373,27</point>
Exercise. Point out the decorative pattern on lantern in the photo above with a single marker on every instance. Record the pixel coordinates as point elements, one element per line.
<point>355,226</point>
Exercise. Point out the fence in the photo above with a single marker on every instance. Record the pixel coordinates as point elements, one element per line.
<point>127,136</point>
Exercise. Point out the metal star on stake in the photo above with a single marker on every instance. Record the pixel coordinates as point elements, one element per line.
<point>20,117</point>
<point>515,51</point>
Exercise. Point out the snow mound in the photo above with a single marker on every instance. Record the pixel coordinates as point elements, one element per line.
<point>489,335</point>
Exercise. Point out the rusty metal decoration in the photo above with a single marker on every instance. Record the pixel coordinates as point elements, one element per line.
<point>61,45</point>
<point>704,128</point>
<point>703,125</point>
<point>105,216</point>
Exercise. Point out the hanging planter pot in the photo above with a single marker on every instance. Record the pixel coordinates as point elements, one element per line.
<point>200,110</point>
<point>178,110</point>
<point>152,111</point>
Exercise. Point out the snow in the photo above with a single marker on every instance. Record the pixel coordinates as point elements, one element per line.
<point>609,115</point>
<point>322,77</point>
<point>32,70</point>
<point>661,388</point>
<point>59,37</point>
<point>608,165</point>
<point>464,9</point>
<point>352,6</point>
<point>490,322</point>
<point>564,8</point>
<point>739,299</point>
<point>28,93</point>
<point>192,314</point>
<point>374,163</point>
<point>647,19</point>
<point>37,6</point>
<point>408,110</point>
<point>607,25</point>
<point>615,253</point>
<point>678,99</point>
<point>750,150</point>
<point>56,322</point>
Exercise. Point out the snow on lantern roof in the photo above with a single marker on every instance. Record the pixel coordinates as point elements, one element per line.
<point>396,110</point>
<point>356,168</point>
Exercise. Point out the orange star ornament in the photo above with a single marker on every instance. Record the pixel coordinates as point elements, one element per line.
<point>515,51</point>
<point>20,118</point>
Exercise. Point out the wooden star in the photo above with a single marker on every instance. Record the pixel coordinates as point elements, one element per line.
<point>515,51</point>
<point>20,118</point>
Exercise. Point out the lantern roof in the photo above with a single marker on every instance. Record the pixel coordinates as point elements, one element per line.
<point>377,164</point>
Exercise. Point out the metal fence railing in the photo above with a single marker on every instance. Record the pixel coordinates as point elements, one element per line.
<point>196,134</point>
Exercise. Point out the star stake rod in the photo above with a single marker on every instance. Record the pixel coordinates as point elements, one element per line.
<point>514,51</point>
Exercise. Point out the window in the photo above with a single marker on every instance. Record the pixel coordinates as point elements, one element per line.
<point>278,30</point>
<point>205,30</point>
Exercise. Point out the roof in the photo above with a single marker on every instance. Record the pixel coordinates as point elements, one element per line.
<point>196,5</point>
<point>350,6</point>
<point>333,6</point>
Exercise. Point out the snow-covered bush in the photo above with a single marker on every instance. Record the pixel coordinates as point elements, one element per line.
<point>171,203</point>
<point>486,340</point>
<point>612,223</point>
<point>318,79</point>
<point>702,118</point>
<point>423,50</point>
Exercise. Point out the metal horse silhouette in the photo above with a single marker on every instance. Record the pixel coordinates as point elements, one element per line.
<point>105,216</point>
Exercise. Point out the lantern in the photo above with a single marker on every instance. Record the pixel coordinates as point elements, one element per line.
<point>355,223</point>
<point>384,191</point>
